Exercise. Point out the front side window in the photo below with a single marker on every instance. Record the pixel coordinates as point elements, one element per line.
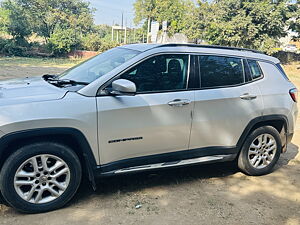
<point>255,69</point>
<point>220,71</point>
<point>160,73</point>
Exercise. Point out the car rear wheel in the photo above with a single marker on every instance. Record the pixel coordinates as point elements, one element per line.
<point>260,151</point>
<point>40,177</point>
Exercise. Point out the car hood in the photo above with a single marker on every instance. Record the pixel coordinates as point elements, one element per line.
<point>27,90</point>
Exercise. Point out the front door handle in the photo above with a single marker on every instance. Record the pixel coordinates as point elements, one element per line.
<point>179,102</point>
<point>247,96</point>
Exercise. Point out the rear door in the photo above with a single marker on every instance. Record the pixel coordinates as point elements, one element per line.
<point>225,103</point>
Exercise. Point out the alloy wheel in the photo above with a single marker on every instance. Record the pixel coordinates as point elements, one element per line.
<point>42,179</point>
<point>262,151</point>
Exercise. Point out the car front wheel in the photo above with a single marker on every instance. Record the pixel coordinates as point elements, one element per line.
<point>40,177</point>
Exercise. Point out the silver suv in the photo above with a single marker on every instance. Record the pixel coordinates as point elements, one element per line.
<point>141,107</point>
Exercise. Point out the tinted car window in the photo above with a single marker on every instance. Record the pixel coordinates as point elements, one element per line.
<point>160,73</point>
<point>255,69</point>
<point>248,76</point>
<point>219,71</point>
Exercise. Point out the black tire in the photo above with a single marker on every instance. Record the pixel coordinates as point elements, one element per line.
<point>243,161</point>
<point>24,153</point>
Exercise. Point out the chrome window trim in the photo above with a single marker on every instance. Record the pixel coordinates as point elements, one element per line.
<point>230,86</point>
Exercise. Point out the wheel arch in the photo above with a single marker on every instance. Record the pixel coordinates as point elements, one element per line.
<point>70,137</point>
<point>279,122</point>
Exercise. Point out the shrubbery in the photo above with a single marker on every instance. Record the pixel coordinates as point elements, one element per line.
<point>93,42</point>
<point>62,41</point>
<point>11,48</point>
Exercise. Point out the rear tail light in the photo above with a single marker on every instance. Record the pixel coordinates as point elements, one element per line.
<point>294,94</point>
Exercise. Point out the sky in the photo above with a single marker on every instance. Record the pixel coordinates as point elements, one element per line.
<point>109,11</point>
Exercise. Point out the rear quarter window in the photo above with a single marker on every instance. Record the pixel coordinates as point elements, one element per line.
<point>255,69</point>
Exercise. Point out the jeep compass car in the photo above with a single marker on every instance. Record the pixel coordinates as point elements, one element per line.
<point>141,107</point>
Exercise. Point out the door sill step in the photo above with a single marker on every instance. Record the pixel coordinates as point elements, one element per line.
<point>172,164</point>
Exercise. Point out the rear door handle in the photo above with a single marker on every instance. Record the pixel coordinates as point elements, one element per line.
<point>179,102</point>
<point>247,96</point>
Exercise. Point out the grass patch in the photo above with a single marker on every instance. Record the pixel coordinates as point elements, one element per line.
<point>39,62</point>
<point>293,70</point>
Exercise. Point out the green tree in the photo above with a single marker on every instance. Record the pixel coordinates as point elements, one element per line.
<point>294,22</point>
<point>15,21</point>
<point>47,15</point>
<point>175,12</point>
<point>62,41</point>
<point>144,10</point>
<point>4,19</point>
<point>254,24</point>
<point>195,21</point>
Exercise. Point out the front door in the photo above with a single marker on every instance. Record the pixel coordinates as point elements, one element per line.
<point>156,120</point>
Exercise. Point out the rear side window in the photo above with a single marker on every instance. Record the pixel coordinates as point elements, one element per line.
<point>220,71</point>
<point>254,69</point>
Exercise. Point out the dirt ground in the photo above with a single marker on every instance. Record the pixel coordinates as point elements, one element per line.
<point>211,194</point>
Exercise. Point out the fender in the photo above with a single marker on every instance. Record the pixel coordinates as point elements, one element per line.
<point>268,118</point>
<point>77,136</point>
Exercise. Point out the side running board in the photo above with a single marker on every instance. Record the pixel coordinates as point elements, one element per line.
<point>174,164</point>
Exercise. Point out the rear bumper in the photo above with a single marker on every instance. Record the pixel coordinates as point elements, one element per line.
<point>289,138</point>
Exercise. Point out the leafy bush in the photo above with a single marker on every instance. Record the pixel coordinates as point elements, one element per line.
<point>11,48</point>
<point>62,41</point>
<point>93,42</point>
<point>106,45</point>
<point>3,42</point>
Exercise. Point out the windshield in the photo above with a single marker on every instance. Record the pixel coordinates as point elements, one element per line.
<point>99,65</point>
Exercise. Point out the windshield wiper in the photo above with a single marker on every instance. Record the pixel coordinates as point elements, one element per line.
<point>52,79</point>
<point>63,82</point>
<point>49,76</point>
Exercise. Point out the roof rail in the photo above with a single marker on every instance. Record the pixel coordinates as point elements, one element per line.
<point>210,46</point>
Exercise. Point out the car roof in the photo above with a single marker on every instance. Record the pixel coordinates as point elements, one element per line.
<point>205,49</point>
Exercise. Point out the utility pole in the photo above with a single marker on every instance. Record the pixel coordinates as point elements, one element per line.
<point>112,31</point>
<point>148,30</point>
<point>125,37</point>
<point>122,18</point>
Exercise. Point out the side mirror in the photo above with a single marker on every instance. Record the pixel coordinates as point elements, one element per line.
<point>123,87</point>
